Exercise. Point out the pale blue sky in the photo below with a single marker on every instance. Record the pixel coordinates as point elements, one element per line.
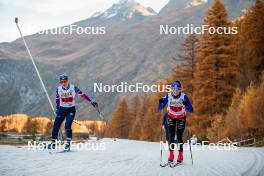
<point>36,15</point>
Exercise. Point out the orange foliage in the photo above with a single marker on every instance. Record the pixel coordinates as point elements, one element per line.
<point>18,122</point>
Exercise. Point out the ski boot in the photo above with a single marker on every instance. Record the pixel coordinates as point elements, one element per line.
<point>67,146</point>
<point>171,156</point>
<point>180,157</point>
<point>52,145</point>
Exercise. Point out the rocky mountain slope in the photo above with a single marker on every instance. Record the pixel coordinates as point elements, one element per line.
<point>132,50</point>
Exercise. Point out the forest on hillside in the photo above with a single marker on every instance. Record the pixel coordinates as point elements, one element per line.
<point>222,74</point>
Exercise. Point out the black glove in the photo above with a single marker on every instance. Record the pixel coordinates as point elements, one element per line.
<point>95,105</point>
<point>161,100</point>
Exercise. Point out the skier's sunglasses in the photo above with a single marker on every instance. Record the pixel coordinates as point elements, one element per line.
<point>63,81</point>
<point>176,89</point>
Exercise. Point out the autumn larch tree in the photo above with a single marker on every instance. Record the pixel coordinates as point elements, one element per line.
<point>184,70</point>
<point>216,69</point>
<point>152,120</point>
<point>252,41</point>
<point>119,122</point>
<point>134,132</point>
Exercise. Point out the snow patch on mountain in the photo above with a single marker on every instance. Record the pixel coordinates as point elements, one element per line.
<point>96,14</point>
<point>196,3</point>
<point>126,9</point>
<point>137,8</point>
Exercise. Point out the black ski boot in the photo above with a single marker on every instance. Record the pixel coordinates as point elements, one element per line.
<point>67,146</point>
<point>52,145</point>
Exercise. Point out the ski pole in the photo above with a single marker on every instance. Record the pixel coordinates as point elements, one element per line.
<point>77,123</point>
<point>38,74</point>
<point>161,136</point>
<point>190,146</point>
<point>100,114</point>
<point>191,150</point>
